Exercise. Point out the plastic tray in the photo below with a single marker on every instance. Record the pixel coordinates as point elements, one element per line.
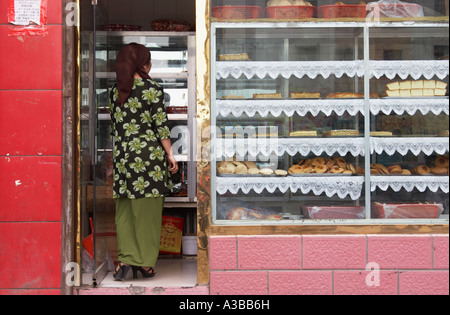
<point>236,12</point>
<point>327,212</point>
<point>342,11</point>
<point>406,211</point>
<point>290,12</point>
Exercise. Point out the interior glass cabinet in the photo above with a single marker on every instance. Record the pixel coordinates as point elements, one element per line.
<point>329,122</point>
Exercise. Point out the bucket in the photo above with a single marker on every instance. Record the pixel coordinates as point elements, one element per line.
<point>189,245</point>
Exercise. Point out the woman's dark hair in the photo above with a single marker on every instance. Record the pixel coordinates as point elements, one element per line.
<point>130,60</point>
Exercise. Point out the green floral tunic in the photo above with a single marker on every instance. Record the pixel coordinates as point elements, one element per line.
<point>140,163</point>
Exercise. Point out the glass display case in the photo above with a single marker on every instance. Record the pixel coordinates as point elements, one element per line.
<point>325,121</point>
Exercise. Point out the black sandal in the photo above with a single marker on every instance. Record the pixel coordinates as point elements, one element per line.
<point>150,273</point>
<point>121,272</point>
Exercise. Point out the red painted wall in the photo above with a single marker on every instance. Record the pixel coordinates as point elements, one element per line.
<point>30,157</point>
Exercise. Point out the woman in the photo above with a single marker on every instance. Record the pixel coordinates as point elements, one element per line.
<point>142,158</point>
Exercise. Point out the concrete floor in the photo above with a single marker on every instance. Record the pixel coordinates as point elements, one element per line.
<point>170,273</point>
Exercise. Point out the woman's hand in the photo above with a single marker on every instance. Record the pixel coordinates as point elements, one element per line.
<point>173,164</point>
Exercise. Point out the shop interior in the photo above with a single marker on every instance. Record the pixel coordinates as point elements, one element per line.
<point>168,30</point>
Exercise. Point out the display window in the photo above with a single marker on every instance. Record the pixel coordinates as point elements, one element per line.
<point>329,113</point>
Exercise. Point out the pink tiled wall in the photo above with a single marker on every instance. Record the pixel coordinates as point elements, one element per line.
<point>330,265</point>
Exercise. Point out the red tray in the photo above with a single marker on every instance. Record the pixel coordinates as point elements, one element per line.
<point>291,12</point>
<point>342,11</point>
<point>406,211</point>
<point>322,212</point>
<point>236,12</point>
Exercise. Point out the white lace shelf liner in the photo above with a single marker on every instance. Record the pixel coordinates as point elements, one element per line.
<point>286,69</point>
<point>422,183</point>
<point>410,68</point>
<point>426,145</point>
<point>330,146</point>
<point>292,146</point>
<point>327,106</point>
<point>410,106</point>
<point>342,186</point>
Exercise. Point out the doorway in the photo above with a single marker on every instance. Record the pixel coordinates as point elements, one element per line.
<point>105,28</point>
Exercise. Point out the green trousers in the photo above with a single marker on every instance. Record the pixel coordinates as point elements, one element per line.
<point>138,225</point>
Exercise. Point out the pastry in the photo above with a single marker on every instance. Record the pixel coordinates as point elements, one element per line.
<point>305,95</point>
<point>351,167</point>
<point>422,170</point>
<point>337,170</point>
<point>233,57</point>
<point>406,172</point>
<point>440,92</point>
<point>429,84</point>
<point>303,133</point>
<point>444,133</point>
<point>241,169</point>
<point>250,164</point>
<point>267,95</point>
<point>441,85</point>
<point>319,161</point>
<point>320,169</point>
<point>393,86</point>
<point>441,161</point>
<point>393,93</point>
<point>226,168</point>
<point>340,162</point>
<point>428,92</point>
<point>340,133</point>
<point>381,133</point>
<point>382,169</point>
<point>330,163</point>
<point>281,172</point>
<point>253,171</point>
<point>266,171</point>
<point>232,97</point>
<point>405,85</point>
<point>439,170</point>
<point>418,84</point>
<point>237,214</point>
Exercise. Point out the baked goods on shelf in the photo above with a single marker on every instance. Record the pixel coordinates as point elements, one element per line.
<point>444,133</point>
<point>381,133</point>
<point>232,97</point>
<point>243,213</point>
<point>417,88</point>
<point>245,168</point>
<point>234,57</point>
<point>304,95</point>
<point>304,133</point>
<point>440,167</point>
<point>267,95</point>
<point>320,165</point>
<point>342,133</point>
<point>350,95</point>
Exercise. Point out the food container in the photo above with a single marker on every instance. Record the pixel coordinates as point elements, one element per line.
<point>176,110</point>
<point>406,211</point>
<point>189,245</point>
<point>290,12</point>
<point>328,212</point>
<point>395,10</point>
<point>342,11</point>
<point>237,12</point>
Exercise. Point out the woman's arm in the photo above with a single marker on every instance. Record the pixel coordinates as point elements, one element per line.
<point>173,164</point>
